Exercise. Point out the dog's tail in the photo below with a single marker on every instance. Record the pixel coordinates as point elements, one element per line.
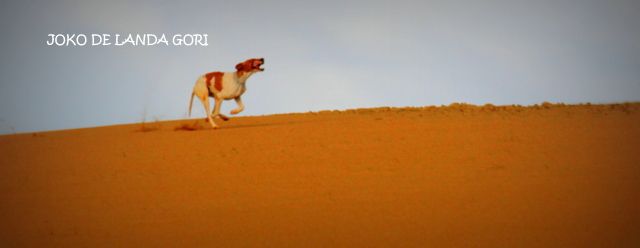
<point>191,102</point>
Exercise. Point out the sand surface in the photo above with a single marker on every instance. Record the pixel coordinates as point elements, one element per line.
<point>544,176</point>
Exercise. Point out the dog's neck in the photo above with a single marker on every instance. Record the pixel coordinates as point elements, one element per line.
<point>243,76</point>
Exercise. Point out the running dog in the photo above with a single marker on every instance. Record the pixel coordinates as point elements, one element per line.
<point>224,86</point>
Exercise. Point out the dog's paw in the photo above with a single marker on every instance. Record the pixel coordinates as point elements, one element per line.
<point>234,112</point>
<point>224,118</point>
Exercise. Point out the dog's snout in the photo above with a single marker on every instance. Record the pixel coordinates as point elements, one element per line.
<point>262,60</point>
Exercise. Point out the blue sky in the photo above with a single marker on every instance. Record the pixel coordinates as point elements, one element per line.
<point>319,55</point>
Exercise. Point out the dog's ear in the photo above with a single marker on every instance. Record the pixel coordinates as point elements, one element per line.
<point>239,66</point>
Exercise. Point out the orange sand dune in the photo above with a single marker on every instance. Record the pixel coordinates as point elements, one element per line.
<point>490,176</point>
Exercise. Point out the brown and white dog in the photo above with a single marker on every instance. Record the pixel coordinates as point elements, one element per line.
<point>224,86</point>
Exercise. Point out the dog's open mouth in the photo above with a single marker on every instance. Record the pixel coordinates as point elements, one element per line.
<point>259,64</point>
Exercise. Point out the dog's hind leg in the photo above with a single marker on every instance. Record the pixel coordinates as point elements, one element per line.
<point>201,91</point>
<point>205,102</point>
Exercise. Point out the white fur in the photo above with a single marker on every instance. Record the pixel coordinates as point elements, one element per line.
<point>233,86</point>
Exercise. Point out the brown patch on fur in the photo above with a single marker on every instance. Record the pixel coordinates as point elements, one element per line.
<point>248,65</point>
<point>217,77</point>
<point>241,68</point>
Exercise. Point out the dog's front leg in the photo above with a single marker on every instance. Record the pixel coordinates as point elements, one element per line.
<point>240,106</point>
<point>216,110</point>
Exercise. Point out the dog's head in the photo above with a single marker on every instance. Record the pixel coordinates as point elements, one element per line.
<point>250,65</point>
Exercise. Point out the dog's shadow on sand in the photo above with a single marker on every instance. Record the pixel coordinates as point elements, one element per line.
<point>203,125</point>
<point>195,126</point>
